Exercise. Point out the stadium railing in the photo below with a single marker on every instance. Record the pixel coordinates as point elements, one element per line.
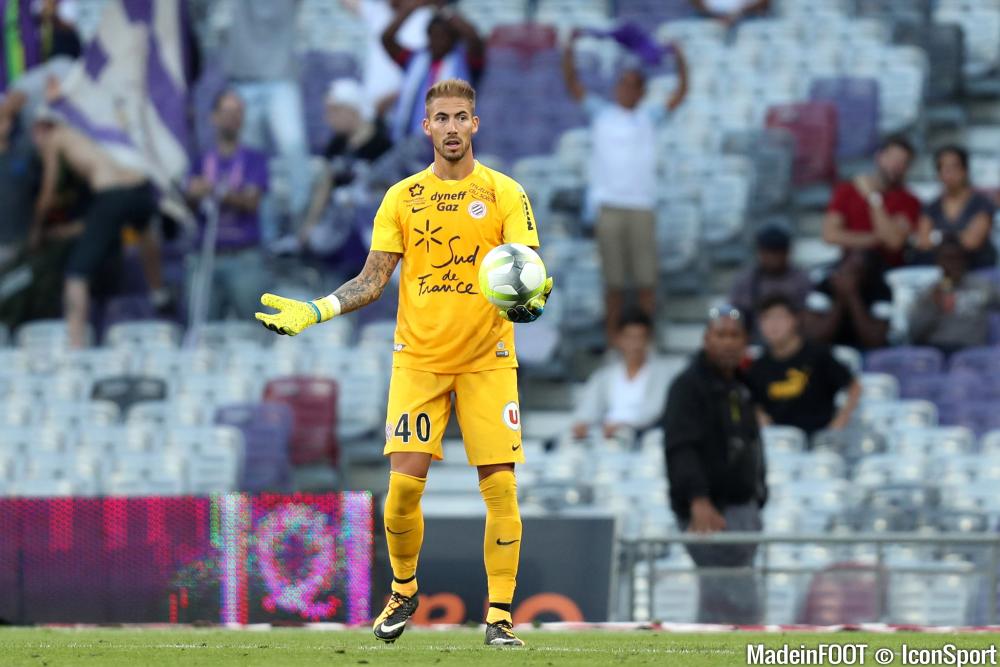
<point>637,559</point>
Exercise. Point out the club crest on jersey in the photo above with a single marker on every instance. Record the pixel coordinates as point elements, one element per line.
<point>416,190</point>
<point>512,416</point>
<point>477,209</point>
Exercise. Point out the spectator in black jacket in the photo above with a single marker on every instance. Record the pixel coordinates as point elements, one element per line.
<point>715,465</point>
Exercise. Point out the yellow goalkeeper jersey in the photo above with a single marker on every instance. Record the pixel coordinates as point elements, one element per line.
<point>443,229</point>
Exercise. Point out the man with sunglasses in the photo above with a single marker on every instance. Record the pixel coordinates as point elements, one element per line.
<point>715,465</point>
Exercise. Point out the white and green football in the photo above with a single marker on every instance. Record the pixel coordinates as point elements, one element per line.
<point>511,274</point>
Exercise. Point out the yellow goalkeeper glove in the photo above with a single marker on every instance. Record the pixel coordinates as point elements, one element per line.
<point>293,316</point>
<point>531,311</point>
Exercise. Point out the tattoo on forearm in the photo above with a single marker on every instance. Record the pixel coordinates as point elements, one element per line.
<point>367,286</point>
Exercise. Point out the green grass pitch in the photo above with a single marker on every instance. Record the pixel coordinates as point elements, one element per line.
<point>44,647</point>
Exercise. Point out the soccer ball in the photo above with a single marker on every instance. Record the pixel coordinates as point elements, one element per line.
<point>511,274</point>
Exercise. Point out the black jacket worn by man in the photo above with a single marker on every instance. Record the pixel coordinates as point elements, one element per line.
<point>713,446</point>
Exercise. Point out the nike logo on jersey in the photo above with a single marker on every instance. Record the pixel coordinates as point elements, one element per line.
<point>402,532</point>
<point>390,628</point>
<point>506,544</point>
<point>514,448</point>
<point>418,210</point>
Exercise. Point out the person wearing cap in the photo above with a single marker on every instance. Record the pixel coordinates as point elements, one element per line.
<point>358,138</point>
<point>770,274</point>
<point>236,177</point>
<point>795,382</point>
<point>715,465</point>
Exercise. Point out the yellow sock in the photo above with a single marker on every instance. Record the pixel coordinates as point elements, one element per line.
<point>502,544</point>
<point>404,529</point>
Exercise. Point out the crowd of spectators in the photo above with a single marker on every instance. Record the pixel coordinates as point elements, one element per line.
<point>76,217</point>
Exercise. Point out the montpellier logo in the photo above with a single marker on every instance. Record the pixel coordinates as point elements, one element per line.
<point>512,416</point>
<point>477,209</point>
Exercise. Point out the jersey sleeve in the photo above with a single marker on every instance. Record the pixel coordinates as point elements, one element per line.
<point>387,235</point>
<point>518,219</point>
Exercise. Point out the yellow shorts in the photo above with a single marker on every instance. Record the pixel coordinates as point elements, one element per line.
<point>486,405</point>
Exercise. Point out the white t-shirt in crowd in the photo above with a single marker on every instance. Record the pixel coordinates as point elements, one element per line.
<point>623,156</point>
<point>382,76</point>
<point>626,396</point>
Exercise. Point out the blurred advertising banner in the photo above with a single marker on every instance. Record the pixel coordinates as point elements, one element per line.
<point>229,558</point>
<point>564,575</point>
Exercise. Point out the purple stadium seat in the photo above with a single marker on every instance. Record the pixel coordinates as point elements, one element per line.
<point>267,429</point>
<point>519,70</point>
<point>927,386</point>
<point>526,38</point>
<point>814,126</point>
<point>654,12</point>
<point>905,360</point>
<point>980,415</point>
<point>857,103</point>
<point>844,594</point>
<point>977,361</point>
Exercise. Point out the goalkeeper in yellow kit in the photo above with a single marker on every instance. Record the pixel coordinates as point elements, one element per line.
<point>441,222</point>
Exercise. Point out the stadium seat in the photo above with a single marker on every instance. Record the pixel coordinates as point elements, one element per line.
<point>887,415</point>
<point>267,429</point>
<point>932,441</point>
<point>127,390</point>
<point>526,38</point>
<point>904,361</point>
<point>79,414</point>
<point>814,126</point>
<point>783,439</point>
<point>881,469</point>
<point>844,593</point>
<point>978,415</point>
<point>214,457</point>
<point>936,594</point>
<point>879,387</point>
<point>144,335</point>
<point>771,152</point>
<point>857,102</point>
<point>45,335</point>
<point>976,360</point>
<point>220,335</point>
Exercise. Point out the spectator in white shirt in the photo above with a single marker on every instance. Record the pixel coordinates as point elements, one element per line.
<point>630,392</point>
<point>623,182</point>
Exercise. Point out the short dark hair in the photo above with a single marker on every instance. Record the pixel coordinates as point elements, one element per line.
<point>635,318</point>
<point>638,71</point>
<point>223,94</point>
<point>777,301</point>
<point>773,237</point>
<point>952,149</point>
<point>899,141</point>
